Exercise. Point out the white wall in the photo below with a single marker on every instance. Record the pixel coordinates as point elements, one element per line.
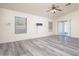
<point>7,32</point>
<point>74,17</point>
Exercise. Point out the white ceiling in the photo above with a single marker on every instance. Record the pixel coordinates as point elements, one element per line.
<point>41,8</point>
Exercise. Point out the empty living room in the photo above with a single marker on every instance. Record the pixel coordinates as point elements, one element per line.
<point>39,29</point>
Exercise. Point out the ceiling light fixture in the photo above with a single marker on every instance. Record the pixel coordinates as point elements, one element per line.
<point>53,11</point>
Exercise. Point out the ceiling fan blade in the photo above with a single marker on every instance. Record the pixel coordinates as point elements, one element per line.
<point>58,9</point>
<point>68,4</point>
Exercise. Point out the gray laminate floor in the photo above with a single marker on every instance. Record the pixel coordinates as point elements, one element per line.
<point>46,46</point>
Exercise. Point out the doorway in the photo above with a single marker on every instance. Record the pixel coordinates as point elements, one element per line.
<point>64,31</point>
<point>64,28</point>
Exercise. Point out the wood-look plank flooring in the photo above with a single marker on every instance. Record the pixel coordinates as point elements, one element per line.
<point>46,46</point>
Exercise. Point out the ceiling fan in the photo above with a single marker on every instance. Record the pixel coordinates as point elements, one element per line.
<point>54,9</point>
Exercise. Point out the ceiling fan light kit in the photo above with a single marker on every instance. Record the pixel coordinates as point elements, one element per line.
<point>53,11</point>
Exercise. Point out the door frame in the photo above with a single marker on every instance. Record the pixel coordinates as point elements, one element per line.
<point>64,21</point>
